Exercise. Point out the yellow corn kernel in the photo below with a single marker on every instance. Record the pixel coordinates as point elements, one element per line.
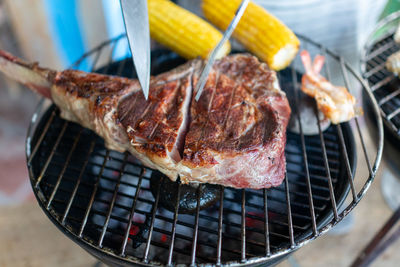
<point>182,31</point>
<point>259,31</point>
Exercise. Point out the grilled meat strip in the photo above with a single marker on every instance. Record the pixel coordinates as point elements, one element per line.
<point>234,136</point>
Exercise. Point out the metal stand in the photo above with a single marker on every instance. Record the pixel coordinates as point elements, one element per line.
<point>380,242</point>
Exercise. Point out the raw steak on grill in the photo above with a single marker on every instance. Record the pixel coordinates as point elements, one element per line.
<point>233,136</point>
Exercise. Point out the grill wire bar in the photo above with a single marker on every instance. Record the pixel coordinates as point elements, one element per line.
<point>382,49</point>
<point>153,216</point>
<point>125,242</point>
<point>327,170</point>
<point>64,168</point>
<point>347,84</point>
<point>269,223</point>
<point>324,153</point>
<point>220,225</point>
<point>171,245</point>
<point>383,82</point>
<point>103,232</point>
<point>196,228</point>
<point>96,185</point>
<point>243,225</point>
<point>389,97</point>
<point>342,143</point>
<point>78,182</point>
<point>266,226</point>
<point>39,179</point>
<point>46,128</point>
<point>303,147</point>
<point>289,212</point>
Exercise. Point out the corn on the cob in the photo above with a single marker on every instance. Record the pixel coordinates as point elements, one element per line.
<point>259,31</point>
<point>182,31</point>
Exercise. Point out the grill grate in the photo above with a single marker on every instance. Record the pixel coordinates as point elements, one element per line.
<point>103,201</point>
<point>384,84</point>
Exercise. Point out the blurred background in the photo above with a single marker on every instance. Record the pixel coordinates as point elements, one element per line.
<point>56,33</point>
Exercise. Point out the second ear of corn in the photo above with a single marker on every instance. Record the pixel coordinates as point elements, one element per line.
<point>259,31</point>
<point>182,31</point>
<point>191,37</point>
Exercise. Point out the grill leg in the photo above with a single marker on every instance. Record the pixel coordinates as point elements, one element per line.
<point>377,245</point>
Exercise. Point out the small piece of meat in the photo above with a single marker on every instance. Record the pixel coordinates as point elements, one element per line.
<point>335,102</point>
<point>393,63</point>
<point>396,35</point>
<point>234,136</point>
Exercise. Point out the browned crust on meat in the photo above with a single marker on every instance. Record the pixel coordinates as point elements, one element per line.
<point>88,84</point>
<point>152,125</point>
<point>104,91</point>
<point>234,114</point>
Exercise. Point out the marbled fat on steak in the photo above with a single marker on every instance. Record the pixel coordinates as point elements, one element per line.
<point>233,136</point>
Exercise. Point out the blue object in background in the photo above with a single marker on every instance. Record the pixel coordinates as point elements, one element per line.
<point>115,27</point>
<point>64,24</point>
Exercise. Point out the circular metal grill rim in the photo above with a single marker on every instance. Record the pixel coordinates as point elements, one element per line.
<point>373,38</point>
<point>249,261</point>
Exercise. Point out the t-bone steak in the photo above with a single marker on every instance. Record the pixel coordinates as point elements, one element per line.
<point>234,135</point>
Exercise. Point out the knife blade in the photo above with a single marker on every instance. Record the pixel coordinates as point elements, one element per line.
<point>136,18</point>
<point>206,70</point>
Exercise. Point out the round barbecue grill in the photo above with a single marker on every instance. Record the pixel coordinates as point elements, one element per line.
<point>386,89</point>
<point>103,199</point>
